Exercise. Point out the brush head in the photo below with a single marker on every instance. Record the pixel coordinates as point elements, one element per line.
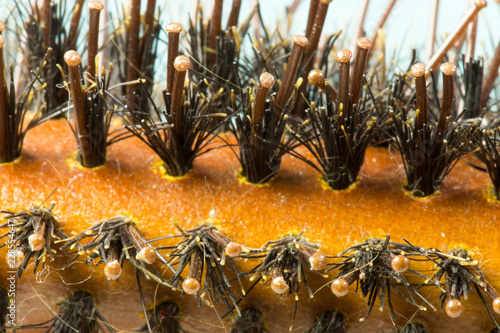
<point>344,56</point>
<point>316,78</point>
<point>418,70</point>
<point>72,58</point>
<point>95,5</point>
<point>113,270</point>
<point>448,69</point>
<point>364,43</point>
<point>174,28</point>
<point>182,63</point>
<point>266,80</point>
<point>301,40</point>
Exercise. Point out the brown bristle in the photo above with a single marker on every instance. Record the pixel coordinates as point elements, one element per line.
<point>173,30</point>
<point>133,49</point>
<point>311,49</point>
<point>234,15</point>
<point>95,8</point>
<point>149,15</point>
<point>266,82</point>
<point>181,65</point>
<point>418,71</point>
<point>448,70</point>
<point>299,42</point>
<point>344,58</point>
<point>45,20</point>
<point>191,285</point>
<point>75,22</point>
<point>313,9</point>
<point>73,59</point>
<point>215,29</point>
<point>363,45</point>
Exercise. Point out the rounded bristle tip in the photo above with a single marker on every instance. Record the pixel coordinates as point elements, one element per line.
<point>174,28</point>
<point>72,58</point>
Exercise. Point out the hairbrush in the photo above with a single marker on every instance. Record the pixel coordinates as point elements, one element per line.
<point>252,188</point>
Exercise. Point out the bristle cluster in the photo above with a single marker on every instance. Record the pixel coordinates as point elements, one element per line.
<point>13,109</point>
<point>76,312</point>
<point>209,256</point>
<point>428,148</point>
<point>329,321</point>
<point>163,318</point>
<point>375,265</point>
<point>284,264</point>
<point>112,242</point>
<point>46,27</point>
<point>35,232</point>
<point>339,133</point>
<point>250,321</point>
<point>462,275</point>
